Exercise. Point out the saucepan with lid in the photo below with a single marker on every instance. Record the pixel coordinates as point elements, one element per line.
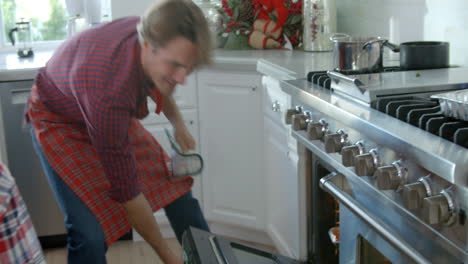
<point>353,55</point>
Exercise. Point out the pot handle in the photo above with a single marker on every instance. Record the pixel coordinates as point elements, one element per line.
<point>393,47</point>
<point>10,35</point>
<point>338,36</point>
<point>338,76</point>
<point>370,42</point>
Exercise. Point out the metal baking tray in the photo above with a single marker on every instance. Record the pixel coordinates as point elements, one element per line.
<point>454,104</point>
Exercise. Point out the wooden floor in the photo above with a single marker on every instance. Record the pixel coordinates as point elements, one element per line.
<point>129,252</point>
<point>121,252</point>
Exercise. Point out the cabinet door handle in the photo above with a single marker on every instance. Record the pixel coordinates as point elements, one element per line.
<point>254,88</point>
<point>275,106</point>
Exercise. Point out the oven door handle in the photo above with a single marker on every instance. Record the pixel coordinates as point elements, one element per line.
<point>345,199</point>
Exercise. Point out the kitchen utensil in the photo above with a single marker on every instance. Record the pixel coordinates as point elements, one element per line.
<point>418,55</point>
<point>23,40</point>
<point>184,164</point>
<point>353,55</point>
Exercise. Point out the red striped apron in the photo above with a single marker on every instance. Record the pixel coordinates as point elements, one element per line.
<point>68,149</point>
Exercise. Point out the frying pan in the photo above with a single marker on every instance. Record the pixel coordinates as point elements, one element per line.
<point>419,55</point>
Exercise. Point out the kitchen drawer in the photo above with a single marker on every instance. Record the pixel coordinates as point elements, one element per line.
<point>275,101</point>
<point>275,104</point>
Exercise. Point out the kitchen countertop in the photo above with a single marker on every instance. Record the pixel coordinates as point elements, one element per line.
<point>13,68</point>
<point>284,63</point>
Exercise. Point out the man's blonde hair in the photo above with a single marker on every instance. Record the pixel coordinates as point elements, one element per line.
<point>168,19</point>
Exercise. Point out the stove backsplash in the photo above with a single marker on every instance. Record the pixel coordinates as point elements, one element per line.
<point>403,20</point>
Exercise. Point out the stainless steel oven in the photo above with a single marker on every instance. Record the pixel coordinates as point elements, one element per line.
<point>386,175</point>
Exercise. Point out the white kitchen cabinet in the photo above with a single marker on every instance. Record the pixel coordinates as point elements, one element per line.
<point>280,161</point>
<point>231,142</point>
<point>282,217</point>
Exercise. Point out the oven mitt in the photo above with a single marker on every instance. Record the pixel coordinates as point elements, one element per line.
<point>183,164</point>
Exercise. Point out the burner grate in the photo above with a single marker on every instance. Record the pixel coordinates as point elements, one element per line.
<point>425,114</point>
<point>415,115</point>
<point>392,69</point>
<point>319,78</point>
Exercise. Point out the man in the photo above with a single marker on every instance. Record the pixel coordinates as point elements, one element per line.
<point>107,172</point>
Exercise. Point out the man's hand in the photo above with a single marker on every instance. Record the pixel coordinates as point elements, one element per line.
<point>184,138</point>
<point>140,216</point>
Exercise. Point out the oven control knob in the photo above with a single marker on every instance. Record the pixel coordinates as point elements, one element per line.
<point>348,153</point>
<point>316,130</point>
<point>290,112</point>
<point>414,194</point>
<point>335,142</point>
<point>299,121</point>
<point>439,209</point>
<point>387,178</point>
<point>365,164</point>
<point>390,177</point>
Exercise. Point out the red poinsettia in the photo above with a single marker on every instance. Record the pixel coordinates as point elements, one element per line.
<point>239,15</point>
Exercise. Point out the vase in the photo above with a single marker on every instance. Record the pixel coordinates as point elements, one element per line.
<point>213,17</point>
<point>319,22</point>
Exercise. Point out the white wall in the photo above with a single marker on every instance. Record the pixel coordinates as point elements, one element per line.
<point>398,20</point>
<point>409,20</point>
<point>121,8</point>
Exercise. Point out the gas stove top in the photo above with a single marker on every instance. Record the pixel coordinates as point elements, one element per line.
<point>322,79</point>
<point>404,95</point>
<point>366,88</point>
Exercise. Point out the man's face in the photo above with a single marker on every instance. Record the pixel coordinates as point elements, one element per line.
<point>169,65</point>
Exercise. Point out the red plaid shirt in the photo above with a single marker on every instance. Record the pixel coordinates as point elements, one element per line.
<point>84,108</point>
<point>18,239</point>
<point>94,80</point>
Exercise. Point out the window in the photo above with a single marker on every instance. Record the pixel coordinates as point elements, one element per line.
<point>48,20</point>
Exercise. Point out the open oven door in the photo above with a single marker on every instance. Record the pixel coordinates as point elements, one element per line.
<point>201,247</point>
<point>364,237</point>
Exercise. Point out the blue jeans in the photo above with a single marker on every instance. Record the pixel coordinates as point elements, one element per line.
<point>85,238</point>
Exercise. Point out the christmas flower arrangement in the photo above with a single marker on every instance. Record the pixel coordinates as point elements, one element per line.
<point>261,24</point>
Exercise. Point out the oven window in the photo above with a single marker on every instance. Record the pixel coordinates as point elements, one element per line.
<point>325,216</point>
<point>251,255</point>
<point>369,254</point>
